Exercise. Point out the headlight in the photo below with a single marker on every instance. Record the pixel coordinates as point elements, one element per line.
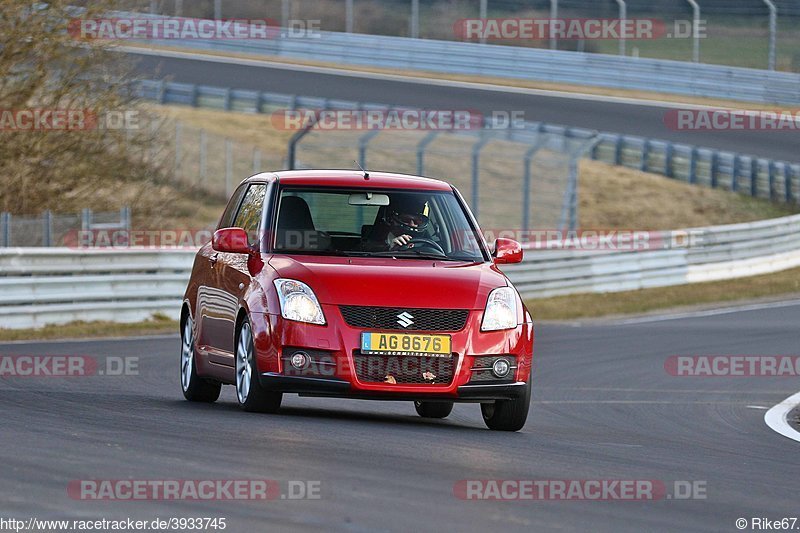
<point>298,302</point>
<point>501,310</point>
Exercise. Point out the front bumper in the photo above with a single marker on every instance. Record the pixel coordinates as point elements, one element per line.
<point>340,344</point>
<point>329,387</point>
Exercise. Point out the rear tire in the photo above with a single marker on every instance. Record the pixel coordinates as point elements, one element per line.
<point>433,409</point>
<point>508,415</point>
<point>251,395</point>
<point>195,388</point>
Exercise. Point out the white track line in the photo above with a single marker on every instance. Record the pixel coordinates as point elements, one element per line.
<point>708,312</point>
<point>420,80</point>
<point>776,417</point>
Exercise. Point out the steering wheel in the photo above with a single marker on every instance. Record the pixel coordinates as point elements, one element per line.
<point>422,242</point>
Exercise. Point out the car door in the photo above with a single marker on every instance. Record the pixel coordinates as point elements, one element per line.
<point>208,318</point>
<point>233,275</point>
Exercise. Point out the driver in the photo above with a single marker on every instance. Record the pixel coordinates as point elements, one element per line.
<point>403,220</point>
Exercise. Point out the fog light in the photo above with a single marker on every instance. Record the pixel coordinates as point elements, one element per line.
<point>300,360</point>
<point>501,368</point>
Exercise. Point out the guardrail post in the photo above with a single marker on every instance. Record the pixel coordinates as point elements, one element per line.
<point>693,165</point>
<point>753,177</point>
<point>6,221</point>
<point>618,150</point>
<point>162,92</point>
<point>194,95</point>
<point>714,169</point>
<point>423,144</point>
<point>771,170</point>
<point>227,103</point>
<point>645,155</point>
<point>47,228</point>
<point>669,155</point>
<point>787,181</point>
<point>476,160</point>
<point>737,163</point>
<point>228,167</point>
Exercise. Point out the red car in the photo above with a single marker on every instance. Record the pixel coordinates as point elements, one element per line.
<point>359,285</point>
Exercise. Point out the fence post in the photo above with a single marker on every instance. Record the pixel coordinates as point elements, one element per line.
<point>6,221</point>
<point>125,217</point>
<point>692,178</point>
<point>348,16</point>
<point>476,158</point>
<point>773,30</point>
<point>291,150</point>
<point>526,182</point>
<point>482,9</point>
<point>423,144</point>
<point>86,219</point>
<point>203,156</point>
<point>47,228</point>
<point>414,22</point>
<point>695,30</point>
<point>256,160</point>
<point>217,9</point>
<point>622,16</point>
<point>228,166</point>
<point>753,177</point>
<point>553,17</point>
<point>363,141</point>
<point>177,163</point>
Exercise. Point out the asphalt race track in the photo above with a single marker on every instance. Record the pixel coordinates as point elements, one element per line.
<point>603,408</point>
<point>627,118</point>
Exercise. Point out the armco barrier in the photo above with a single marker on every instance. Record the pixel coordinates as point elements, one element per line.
<point>762,178</point>
<point>554,66</point>
<point>41,286</point>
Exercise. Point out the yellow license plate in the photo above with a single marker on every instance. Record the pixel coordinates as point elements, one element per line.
<point>404,344</point>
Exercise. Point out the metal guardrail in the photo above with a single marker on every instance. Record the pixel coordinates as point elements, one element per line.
<point>554,66</point>
<point>40,286</point>
<point>758,177</point>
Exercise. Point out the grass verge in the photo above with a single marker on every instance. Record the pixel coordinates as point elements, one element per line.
<point>649,300</point>
<point>159,324</point>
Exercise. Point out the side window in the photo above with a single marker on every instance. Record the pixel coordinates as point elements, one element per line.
<point>230,210</point>
<point>249,216</point>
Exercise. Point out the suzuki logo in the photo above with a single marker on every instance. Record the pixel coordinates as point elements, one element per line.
<point>404,319</point>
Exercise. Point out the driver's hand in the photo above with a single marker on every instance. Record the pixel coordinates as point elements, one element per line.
<point>402,240</point>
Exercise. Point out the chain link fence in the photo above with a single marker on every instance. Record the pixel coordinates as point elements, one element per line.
<point>733,32</point>
<point>48,229</point>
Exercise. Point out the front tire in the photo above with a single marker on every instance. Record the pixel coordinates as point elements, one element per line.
<point>433,409</point>
<point>195,388</point>
<point>251,395</point>
<point>508,415</point>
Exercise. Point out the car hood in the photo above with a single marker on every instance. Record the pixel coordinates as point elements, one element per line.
<point>393,282</point>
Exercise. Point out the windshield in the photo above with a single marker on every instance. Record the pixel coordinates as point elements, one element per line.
<point>377,223</point>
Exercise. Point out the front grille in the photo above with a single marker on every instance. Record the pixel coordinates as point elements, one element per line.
<point>415,319</point>
<point>409,370</point>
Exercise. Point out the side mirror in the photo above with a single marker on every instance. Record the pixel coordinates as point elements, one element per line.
<point>231,240</point>
<point>507,251</point>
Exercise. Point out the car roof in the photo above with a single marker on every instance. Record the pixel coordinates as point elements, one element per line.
<point>353,178</point>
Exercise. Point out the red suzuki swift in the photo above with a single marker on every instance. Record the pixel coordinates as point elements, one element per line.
<point>358,285</point>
